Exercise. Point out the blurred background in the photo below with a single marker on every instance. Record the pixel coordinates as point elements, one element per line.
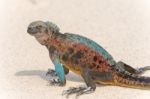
<point>122,27</point>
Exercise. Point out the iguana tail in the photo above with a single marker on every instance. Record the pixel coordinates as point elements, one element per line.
<point>127,79</point>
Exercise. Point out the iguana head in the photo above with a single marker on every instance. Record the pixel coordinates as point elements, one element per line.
<point>42,31</point>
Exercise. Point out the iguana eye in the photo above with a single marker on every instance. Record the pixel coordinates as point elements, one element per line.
<point>38,27</point>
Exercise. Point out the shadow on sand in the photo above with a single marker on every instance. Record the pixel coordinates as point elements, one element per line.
<point>42,75</point>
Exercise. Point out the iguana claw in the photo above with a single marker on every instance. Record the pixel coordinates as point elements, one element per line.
<point>56,82</point>
<point>78,91</point>
<point>51,72</point>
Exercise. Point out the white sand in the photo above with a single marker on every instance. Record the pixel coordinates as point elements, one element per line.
<point>120,26</point>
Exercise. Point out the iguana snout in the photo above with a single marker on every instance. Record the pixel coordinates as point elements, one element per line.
<point>37,27</point>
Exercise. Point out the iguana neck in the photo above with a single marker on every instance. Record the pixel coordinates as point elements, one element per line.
<point>55,39</point>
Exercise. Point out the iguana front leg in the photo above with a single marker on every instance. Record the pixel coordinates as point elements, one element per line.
<point>52,72</point>
<point>59,71</point>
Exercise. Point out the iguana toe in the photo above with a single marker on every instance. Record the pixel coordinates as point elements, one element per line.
<point>78,91</point>
<point>56,82</point>
<point>51,72</point>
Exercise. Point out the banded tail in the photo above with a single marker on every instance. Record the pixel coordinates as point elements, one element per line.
<point>126,79</point>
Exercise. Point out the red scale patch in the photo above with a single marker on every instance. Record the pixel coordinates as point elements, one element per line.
<point>90,57</point>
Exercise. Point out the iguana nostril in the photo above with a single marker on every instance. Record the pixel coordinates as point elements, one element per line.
<point>31,30</point>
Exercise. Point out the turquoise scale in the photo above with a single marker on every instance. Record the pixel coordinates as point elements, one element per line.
<point>91,44</point>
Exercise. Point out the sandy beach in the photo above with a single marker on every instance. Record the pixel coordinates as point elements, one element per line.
<point>122,27</point>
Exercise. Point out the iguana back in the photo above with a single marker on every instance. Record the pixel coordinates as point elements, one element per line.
<point>90,43</point>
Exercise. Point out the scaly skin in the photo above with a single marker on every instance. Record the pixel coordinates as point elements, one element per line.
<point>86,58</point>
